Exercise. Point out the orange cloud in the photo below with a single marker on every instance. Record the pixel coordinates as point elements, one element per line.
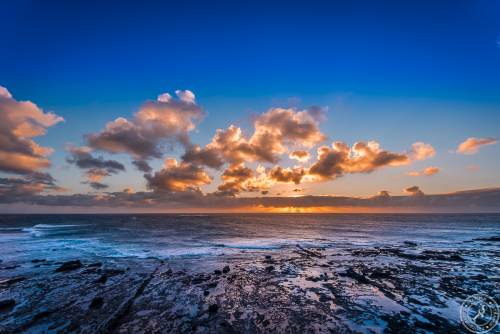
<point>274,131</point>
<point>301,156</point>
<point>414,191</point>
<point>422,151</point>
<point>20,121</point>
<point>177,177</point>
<point>165,120</point>
<point>426,172</point>
<point>471,145</point>
<point>362,157</point>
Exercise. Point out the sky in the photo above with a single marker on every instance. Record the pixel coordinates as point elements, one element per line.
<point>200,105</point>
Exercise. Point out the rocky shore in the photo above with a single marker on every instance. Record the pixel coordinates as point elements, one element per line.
<point>401,289</point>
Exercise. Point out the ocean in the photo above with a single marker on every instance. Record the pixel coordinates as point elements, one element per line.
<point>247,273</point>
<point>23,237</point>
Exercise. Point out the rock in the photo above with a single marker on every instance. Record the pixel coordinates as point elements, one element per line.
<point>217,272</point>
<point>96,264</point>
<point>10,281</point>
<point>113,272</point>
<point>103,279</point>
<point>226,269</point>
<point>410,243</point>
<point>269,268</point>
<point>380,273</point>
<point>355,275</point>
<point>11,267</point>
<point>38,260</point>
<point>70,265</point>
<point>213,308</point>
<point>268,257</point>
<point>496,238</point>
<point>206,293</point>
<point>96,303</point>
<point>7,303</point>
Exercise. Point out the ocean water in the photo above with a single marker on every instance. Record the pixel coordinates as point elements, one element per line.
<point>55,237</point>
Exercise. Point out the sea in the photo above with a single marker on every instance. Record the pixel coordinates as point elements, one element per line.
<point>55,237</point>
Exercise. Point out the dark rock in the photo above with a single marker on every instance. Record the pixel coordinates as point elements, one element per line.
<point>38,260</point>
<point>103,279</point>
<point>355,275</point>
<point>96,303</point>
<point>206,293</point>
<point>212,285</point>
<point>96,264</point>
<point>11,267</point>
<point>269,268</point>
<point>226,269</point>
<point>496,238</point>
<point>380,273</point>
<point>70,265</point>
<point>217,272</point>
<point>7,303</point>
<point>10,281</point>
<point>268,257</point>
<point>410,243</point>
<point>213,308</point>
<point>113,272</point>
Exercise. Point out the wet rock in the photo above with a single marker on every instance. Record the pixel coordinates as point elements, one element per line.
<point>351,273</point>
<point>496,238</point>
<point>96,303</point>
<point>8,282</point>
<point>379,273</point>
<point>213,308</point>
<point>410,243</point>
<point>268,257</point>
<point>200,279</point>
<point>226,269</point>
<point>102,280</point>
<point>217,272</point>
<point>38,260</point>
<point>11,267</point>
<point>6,304</point>
<point>269,268</point>
<point>113,272</point>
<point>95,265</point>
<point>69,266</point>
<point>206,293</point>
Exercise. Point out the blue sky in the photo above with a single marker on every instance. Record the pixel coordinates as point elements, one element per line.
<point>392,71</point>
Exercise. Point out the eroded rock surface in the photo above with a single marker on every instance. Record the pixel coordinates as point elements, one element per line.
<point>293,290</point>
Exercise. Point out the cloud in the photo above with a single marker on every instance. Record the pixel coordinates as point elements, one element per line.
<point>178,177</point>
<point>142,165</point>
<point>95,168</point>
<point>17,188</point>
<point>414,191</point>
<point>422,151</point>
<point>165,121</point>
<point>20,122</point>
<point>98,185</point>
<point>82,157</point>
<point>238,177</point>
<point>287,175</point>
<point>209,156</point>
<point>472,145</point>
<point>362,157</point>
<point>301,155</point>
<point>426,172</point>
<point>274,131</point>
<point>481,200</point>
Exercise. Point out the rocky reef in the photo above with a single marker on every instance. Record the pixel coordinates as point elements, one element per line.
<point>399,289</point>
